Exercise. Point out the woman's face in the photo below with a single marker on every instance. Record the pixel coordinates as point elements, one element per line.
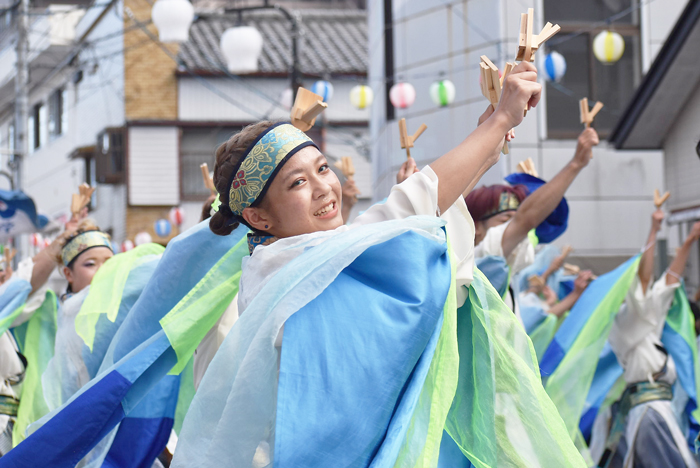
<point>304,197</point>
<point>482,227</point>
<point>80,274</point>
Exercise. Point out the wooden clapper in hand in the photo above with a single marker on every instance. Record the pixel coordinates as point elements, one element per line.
<point>82,199</point>
<point>492,85</point>
<point>528,167</point>
<point>529,43</point>
<point>208,179</point>
<point>407,141</point>
<point>347,168</point>
<point>587,115</point>
<point>307,107</point>
<point>659,199</point>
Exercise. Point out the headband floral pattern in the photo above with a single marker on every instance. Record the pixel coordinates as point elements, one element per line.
<point>82,242</point>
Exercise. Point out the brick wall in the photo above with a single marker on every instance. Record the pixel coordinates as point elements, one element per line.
<point>150,84</point>
<point>142,218</point>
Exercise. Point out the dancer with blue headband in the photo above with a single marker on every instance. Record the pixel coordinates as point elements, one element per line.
<point>371,343</point>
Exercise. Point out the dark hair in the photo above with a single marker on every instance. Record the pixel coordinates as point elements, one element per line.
<point>228,155</point>
<point>484,200</point>
<point>206,208</point>
<point>84,226</point>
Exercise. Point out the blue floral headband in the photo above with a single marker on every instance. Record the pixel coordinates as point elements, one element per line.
<point>261,163</point>
<point>82,242</point>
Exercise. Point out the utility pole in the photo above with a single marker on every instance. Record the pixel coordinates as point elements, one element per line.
<point>21,93</point>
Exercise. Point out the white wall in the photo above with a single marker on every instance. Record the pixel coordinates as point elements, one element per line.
<point>154,166</point>
<point>252,99</point>
<point>657,20</point>
<point>682,164</point>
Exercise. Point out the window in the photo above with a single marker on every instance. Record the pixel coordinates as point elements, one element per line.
<point>37,127</point>
<point>197,147</point>
<point>11,137</point>
<point>109,156</point>
<point>586,76</point>
<point>56,122</point>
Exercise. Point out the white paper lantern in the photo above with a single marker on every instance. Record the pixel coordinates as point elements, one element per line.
<point>442,92</point>
<point>608,47</point>
<point>143,238</point>
<point>127,245</point>
<point>361,96</point>
<point>554,66</point>
<point>402,95</point>
<point>323,89</point>
<point>241,47</point>
<point>173,19</point>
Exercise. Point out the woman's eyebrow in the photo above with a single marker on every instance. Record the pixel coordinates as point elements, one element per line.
<point>300,170</point>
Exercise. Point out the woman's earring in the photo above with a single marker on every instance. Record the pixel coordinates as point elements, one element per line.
<point>266,226</point>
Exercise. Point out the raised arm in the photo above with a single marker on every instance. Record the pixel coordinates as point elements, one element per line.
<point>540,204</point>
<point>675,271</point>
<point>457,169</point>
<point>646,263</point>
<point>580,285</point>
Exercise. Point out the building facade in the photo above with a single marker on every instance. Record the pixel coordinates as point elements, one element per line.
<point>112,106</point>
<point>664,115</point>
<point>421,42</point>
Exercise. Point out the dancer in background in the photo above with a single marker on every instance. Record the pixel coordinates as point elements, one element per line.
<point>645,431</point>
<point>504,216</point>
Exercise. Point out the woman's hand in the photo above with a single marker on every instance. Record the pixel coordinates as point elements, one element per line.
<point>584,148</point>
<point>350,193</point>
<point>657,219</point>
<point>407,169</point>
<point>582,281</point>
<point>520,91</point>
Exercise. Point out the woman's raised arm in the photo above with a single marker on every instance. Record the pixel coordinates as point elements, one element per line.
<point>459,168</point>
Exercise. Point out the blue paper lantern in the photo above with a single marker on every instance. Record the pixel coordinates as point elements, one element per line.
<point>554,66</point>
<point>163,228</point>
<point>323,89</point>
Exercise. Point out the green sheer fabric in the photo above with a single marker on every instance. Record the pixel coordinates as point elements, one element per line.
<point>36,339</point>
<point>193,317</point>
<point>569,384</point>
<point>501,416</point>
<point>107,288</point>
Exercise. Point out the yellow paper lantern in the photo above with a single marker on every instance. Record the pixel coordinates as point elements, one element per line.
<point>608,47</point>
<point>361,96</point>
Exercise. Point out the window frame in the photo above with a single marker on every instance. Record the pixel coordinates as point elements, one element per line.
<point>625,30</point>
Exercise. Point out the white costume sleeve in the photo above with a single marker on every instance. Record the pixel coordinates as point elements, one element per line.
<point>638,327</point>
<point>212,341</point>
<point>418,195</point>
<point>522,256</point>
<point>35,299</point>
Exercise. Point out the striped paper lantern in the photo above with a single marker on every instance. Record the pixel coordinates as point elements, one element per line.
<point>361,96</point>
<point>554,66</point>
<point>162,227</point>
<point>402,95</point>
<point>127,245</point>
<point>323,89</point>
<point>442,92</point>
<point>608,47</point>
<point>176,216</point>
